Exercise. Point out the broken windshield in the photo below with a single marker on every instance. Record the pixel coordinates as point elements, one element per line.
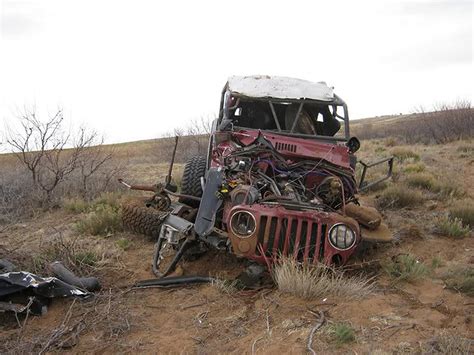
<point>313,119</point>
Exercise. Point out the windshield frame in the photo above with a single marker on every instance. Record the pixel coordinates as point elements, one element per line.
<point>225,122</point>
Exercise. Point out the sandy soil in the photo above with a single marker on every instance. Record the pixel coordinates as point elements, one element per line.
<point>397,318</point>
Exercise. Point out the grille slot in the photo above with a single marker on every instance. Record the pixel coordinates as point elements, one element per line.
<point>285,147</point>
<point>301,239</point>
<point>261,231</point>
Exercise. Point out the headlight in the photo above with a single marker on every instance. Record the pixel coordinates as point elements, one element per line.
<point>342,236</point>
<point>242,224</point>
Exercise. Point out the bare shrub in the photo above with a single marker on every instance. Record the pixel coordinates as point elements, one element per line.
<point>51,163</point>
<point>312,281</point>
<point>446,123</point>
<point>16,193</point>
<point>193,140</point>
<point>41,148</point>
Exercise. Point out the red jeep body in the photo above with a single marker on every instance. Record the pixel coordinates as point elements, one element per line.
<point>287,170</point>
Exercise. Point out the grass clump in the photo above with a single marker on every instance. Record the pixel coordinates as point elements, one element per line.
<point>406,267</point>
<point>464,211</point>
<point>447,189</point>
<point>227,287</point>
<point>460,278</point>
<point>421,180</point>
<point>414,168</point>
<point>342,333</point>
<point>312,281</point>
<point>444,189</point>
<point>446,343</point>
<point>399,197</point>
<point>112,199</point>
<point>465,148</point>
<point>436,262</point>
<point>123,243</point>
<point>103,220</point>
<point>377,187</point>
<point>75,256</point>
<point>391,142</point>
<point>451,227</point>
<point>79,205</point>
<point>402,154</point>
<point>88,258</point>
<point>76,205</point>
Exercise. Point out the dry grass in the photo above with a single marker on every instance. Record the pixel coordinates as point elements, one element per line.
<point>444,189</point>
<point>75,256</point>
<point>403,153</point>
<point>105,312</point>
<point>227,287</point>
<point>391,142</point>
<point>448,189</point>
<point>312,281</point>
<point>75,205</point>
<point>414,168</point>
<point>399,197</point>
<point>466,148</point>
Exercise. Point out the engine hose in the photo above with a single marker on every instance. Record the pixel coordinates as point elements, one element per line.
<point>173,281</point>
<point>62,273</point>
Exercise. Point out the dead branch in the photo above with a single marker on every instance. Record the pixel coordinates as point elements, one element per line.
<point>318,325</point>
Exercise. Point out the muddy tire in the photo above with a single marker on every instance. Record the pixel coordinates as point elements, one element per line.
<point>138,218</point>
<point>194,169</point>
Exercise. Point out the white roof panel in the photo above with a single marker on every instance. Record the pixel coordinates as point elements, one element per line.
<point>279,87</point>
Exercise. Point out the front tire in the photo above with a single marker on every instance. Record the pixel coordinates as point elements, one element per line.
<point>138,218</point>
<point>194,170</point>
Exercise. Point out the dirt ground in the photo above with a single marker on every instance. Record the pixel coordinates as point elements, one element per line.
<point>400,317</point>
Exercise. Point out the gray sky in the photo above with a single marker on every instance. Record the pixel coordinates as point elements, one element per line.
<point>136,69</point>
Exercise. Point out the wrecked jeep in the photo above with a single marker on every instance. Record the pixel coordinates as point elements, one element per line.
<point>278,180</point>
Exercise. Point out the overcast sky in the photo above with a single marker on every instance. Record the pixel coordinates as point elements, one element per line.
<point>136,69</point>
